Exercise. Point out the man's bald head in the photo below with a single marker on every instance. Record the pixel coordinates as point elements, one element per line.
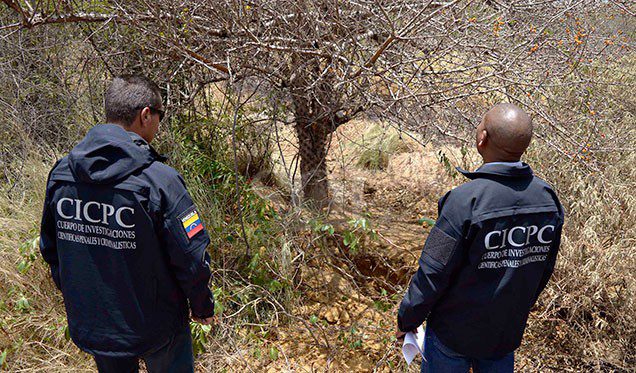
<point>504,133</point>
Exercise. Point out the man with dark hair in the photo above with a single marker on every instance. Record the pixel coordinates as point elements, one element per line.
<point>124,241</point>
<point>488,257</point>
<point>128,94</point>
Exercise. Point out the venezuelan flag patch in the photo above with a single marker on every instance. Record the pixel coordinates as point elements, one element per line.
<point>191,223</point>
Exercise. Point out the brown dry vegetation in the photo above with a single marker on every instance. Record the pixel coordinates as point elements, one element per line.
<point>344,308</point>
<point>297,297</point>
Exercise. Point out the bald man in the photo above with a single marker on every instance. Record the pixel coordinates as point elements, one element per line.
<point>488,256</point>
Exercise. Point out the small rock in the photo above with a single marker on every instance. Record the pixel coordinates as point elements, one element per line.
<point>332,315</point>
<point>344,317</point>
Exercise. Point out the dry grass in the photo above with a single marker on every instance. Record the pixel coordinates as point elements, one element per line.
<point>587,316</point>
<point>33,317</point>
<point>585,319</point>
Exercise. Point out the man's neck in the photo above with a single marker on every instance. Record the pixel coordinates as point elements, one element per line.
<point>499,159</point>
<point>493,158</point>
<point>134,129</point>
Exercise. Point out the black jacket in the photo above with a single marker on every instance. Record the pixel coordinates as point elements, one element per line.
<point>125,245</point>
<point>486,260</point>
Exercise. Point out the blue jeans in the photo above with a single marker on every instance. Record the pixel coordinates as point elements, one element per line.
<point>175,356</point>
<point>441,359</point>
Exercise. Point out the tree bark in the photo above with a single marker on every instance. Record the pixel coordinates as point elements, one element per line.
<point>312,148</point>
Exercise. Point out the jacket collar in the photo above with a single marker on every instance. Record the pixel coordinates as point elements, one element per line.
<point>144,145</point>
<point>499,169</point>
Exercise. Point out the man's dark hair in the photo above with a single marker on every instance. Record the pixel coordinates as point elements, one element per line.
<point>126,95</point>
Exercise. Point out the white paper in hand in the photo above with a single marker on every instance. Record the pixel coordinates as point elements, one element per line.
<point>413,344</point>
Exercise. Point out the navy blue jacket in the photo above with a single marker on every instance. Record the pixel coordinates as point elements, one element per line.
<point>486,260</point>
<point>125,245</point>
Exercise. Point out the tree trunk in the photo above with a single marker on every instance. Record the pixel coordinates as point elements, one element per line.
<point>312,148</point>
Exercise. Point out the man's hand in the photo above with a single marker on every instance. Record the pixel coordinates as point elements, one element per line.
<point>399,335</point>
<point>206,321</point>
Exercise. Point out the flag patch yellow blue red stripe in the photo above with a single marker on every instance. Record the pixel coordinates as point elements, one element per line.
<point>191,223</point>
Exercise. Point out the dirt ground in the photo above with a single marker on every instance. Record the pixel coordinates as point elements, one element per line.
<point>346,316</point>
<point>350,298</point>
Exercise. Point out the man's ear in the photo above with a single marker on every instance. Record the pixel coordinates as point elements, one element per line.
<point>483,138</point>
<point>145,116</point>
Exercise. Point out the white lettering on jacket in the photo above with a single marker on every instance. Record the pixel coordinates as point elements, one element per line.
<point>95,212</point>
<point>499,239</point>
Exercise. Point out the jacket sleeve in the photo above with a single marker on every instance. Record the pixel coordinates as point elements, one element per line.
<point>186,241</point>
<point>48,241</point>
<point>441,256</point>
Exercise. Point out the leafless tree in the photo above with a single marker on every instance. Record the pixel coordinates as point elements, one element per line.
<point>422,65</point>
